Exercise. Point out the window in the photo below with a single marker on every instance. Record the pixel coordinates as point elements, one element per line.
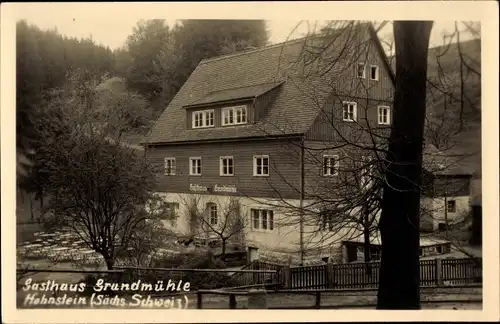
<point>330,165</point>
<point>169,166</point>
<point>375,254</point>
<point>171,208</point>
<point>203,119</point>
<point>349,111</point>
<point>441,227</point>
<point>195,166</point>
<point>361,70</point>
<point>234,115</point>
<point>262,219</point>
<point>261,165</point>
<point>374,72</point>
<point>212,213</point>
<point>161,209</point>
<point>451,206</point>
<point>226,166</point>
<point>384,115</point>
<point>327,220</point>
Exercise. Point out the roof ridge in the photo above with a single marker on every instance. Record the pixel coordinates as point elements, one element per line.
<point>270,46</point>
<point>254,50</point>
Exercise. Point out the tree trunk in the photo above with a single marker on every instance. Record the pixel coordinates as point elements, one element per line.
<point>110,262</point>
<point>366,236</point>
<point>32,214</point>
<point>399,282</point>
<point>223,252</point>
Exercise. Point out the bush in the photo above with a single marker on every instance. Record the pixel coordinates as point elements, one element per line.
<point>195,260</point>
<point>192,260</point>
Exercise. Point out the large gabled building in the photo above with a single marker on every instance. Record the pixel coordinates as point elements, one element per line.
<point>258,127</point>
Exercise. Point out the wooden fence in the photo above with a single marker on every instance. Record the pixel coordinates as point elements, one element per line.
<point>256,278</point>
<point>262,299</point>
<point>437,272</point>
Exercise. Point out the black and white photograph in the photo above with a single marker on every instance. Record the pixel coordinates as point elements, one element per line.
<point>168,159</point>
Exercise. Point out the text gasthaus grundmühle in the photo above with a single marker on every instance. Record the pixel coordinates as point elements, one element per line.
<point>52,293</point>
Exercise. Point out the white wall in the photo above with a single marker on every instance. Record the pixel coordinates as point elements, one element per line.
<point>284,240</point>
<point>462,204</point>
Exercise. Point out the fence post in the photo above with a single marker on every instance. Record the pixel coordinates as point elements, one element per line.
<point>199,300</point>
<point>257,299</point>
<point>287,277</point>
<point>439,272</point>
<point>232,301</point>
<point>329,273</point>
<point>317,303</point>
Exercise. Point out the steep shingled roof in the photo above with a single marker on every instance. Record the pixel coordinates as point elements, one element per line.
<point>249,92</point>
<point>291,112</point>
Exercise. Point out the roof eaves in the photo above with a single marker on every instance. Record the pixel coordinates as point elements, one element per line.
<point>219,140</point>
<point>219,102</point>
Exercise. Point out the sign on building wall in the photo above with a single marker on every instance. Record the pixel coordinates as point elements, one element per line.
<point>224,188</point>
<point>197,188</point>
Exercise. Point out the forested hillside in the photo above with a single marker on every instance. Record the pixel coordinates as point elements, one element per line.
<point>127,88</point>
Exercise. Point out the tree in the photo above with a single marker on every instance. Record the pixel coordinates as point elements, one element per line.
<point>399,281</point>
<point>43,57</point>
<point>144,45</point>
<point>97,186</point>
<point>214,220</point>
<point>124,111</point>
<point>145,242</point>
<point>123,62</point>
<point>320,72</point>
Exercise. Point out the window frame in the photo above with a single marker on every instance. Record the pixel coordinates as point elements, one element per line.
<point>172,212</point>
<point>454,202</point>
<point>234,113</point>
<point>336,165</point>
<point>173,166</point>
<point>211,206</point>
<point>204,119</point>
<point>379,110</point>
<point>221,166</point>
<point>347,104</point>
<point>377,72</point>
<point>195,158</point>
<point>269,219</point>
<point>364,70</point>
<point>255,167</point>
<point>326,219</point>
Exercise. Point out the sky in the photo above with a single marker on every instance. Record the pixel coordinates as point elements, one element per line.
<point>110,26</point>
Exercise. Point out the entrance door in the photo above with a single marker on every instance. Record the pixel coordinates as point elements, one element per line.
<point>253,253</point>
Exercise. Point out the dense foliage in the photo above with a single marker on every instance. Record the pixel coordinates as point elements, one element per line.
<point>139,79</point>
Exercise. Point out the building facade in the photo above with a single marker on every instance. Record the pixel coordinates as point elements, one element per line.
<point>270,131</point>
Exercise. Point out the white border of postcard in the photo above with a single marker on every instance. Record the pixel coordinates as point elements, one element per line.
<point>484,11</point>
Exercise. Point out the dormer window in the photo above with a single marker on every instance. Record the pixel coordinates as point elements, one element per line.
<point>361,70</point>
<point>203,118</point>
<point>234,115</point>
<point>374,72</point>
